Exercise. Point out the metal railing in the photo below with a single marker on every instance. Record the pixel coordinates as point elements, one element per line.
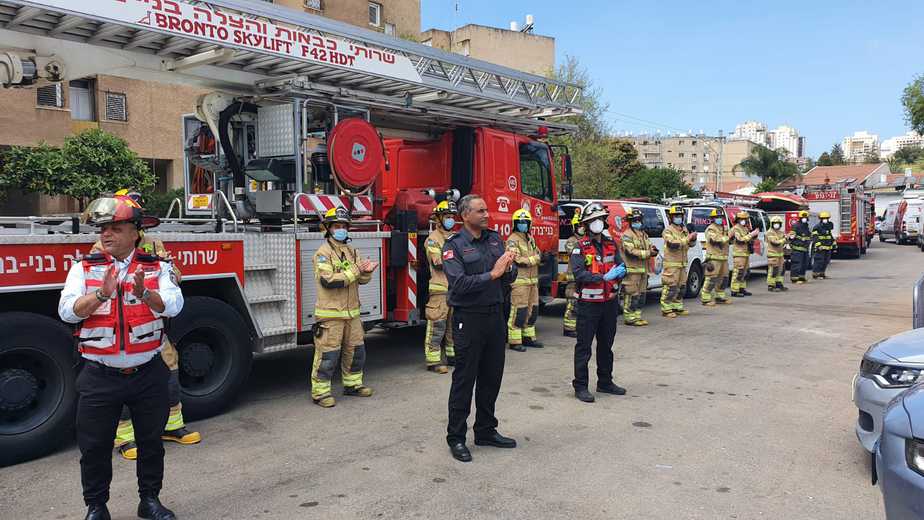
<point>179,204</point>
<point>224,198</point>
<point>917,318</point>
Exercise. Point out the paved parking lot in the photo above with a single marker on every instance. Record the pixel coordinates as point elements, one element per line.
<point>733,412</point>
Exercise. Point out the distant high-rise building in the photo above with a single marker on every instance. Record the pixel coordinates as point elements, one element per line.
<point>753,131</point>
<point>701,158</point>
<point>786,138</point>
<point>860,146</point>
<point>894,144</point>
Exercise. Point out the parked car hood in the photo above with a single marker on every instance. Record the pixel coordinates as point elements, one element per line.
<point>906,347</point>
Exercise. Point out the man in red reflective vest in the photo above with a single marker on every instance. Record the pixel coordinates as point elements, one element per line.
<point>120,298</point>
<point>597,269</point>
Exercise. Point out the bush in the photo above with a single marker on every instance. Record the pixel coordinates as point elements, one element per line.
<point>157,204</point>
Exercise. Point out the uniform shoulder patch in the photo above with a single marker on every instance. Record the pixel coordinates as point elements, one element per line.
<point>322,259</point>
<point>431,242</point>
<point>576,251</point>
<point>448,254</point>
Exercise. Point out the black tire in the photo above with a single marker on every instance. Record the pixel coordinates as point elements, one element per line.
<point>38,398</point>
<point>694,281</point>
<point>215,351</point>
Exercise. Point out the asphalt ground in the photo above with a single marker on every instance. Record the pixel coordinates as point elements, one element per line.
<point>740,411</point>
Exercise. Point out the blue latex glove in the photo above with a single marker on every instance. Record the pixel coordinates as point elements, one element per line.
<point>615,272</point>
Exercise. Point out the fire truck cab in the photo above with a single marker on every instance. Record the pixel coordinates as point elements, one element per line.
<point>302,114</point>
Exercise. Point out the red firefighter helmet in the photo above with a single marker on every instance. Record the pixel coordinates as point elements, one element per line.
<point>112,210</point>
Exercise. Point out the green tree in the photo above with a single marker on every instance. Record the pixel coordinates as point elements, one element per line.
<point>913,103</point>
<point>770,166</point>
<point>824,160</point>
<point>908,155</point>
<point>872,158</point>
<point>87,165</point>
<point>837,155</point>
<point>653,183</point>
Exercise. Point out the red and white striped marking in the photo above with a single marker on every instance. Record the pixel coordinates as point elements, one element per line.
<point>411,270</point>
<point>319,204</point>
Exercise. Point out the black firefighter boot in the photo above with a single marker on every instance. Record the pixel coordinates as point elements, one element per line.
<point>780,287</point>
<point>531,342</point>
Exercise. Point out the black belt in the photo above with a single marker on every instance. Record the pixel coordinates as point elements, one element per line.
<point>479,309</point>
<point>128,371</point>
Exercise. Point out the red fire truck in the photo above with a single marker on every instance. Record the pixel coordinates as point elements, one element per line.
<point>311,114</point>
<point>850,208</point>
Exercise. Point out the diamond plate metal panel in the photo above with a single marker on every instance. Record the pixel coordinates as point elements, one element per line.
<point>370,295</point>
<point>276,136</point>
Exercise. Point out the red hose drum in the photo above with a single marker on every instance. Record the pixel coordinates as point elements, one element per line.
<point>356,152</point>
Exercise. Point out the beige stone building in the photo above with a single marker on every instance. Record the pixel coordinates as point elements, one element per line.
<point>697,156</point>
<point>519,50</point>
<point>399,18</point>
<point>149,115</point>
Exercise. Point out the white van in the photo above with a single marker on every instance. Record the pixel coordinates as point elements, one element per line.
<point>654,221</point>
<point>698,215</point>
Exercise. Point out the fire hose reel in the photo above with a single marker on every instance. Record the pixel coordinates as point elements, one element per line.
<point>357,153</point>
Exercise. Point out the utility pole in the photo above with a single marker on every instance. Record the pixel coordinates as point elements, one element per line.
<point>718,180</point>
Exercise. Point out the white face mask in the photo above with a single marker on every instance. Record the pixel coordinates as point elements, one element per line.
<point>777,226</point>
<point>596,227</point>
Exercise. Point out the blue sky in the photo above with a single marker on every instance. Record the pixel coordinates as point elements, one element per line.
<point>826,68</point>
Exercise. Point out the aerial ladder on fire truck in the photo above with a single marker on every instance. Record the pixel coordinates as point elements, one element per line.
<point>301,114</point>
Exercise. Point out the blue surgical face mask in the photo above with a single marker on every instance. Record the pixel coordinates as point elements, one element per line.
<point>636,225</point>
<point>678,220</point>
<point>718,222</point>
<point>522,227</point>
<point>448,223</point>
<point>340,235</point>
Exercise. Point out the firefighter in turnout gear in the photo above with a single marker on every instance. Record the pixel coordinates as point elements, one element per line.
<point>121,296</point>
<point>524,295</point>
<point>175,430</point>
<point>776,244</point>
<point>636,250</point>
<point>674,277</point>
<point>716,266</point>
<point>800,240</point>
<point>597,270</point>
<point>439,315</point>
<point>569,322</point>
<point>741,237</point>
<point>338,271</point>
<point>823,245</point>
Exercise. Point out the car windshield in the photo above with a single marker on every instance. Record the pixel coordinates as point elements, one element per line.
<point>700,218</point>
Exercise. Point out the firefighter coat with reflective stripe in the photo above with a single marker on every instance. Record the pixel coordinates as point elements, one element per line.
<point>434,247</point>
<point>570,245</point>
<point>677,240</point>
<point>636,249</point>
<point>528,258</point>
<point>337,276</point>
<point>741,240</point>
<point>776,242</point>
<point>716,243</point>
<point>803,237</point>
<point>123,323</point>
<point>590,264</point>
<point>822,237</point>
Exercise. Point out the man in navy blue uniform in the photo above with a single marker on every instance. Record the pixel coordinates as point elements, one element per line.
<point>478,270</point>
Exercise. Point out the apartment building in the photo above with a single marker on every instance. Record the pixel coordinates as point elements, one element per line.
<point>893,144</point>
<point>701,158</point>
<point>860,146</point>
<point>516,49</point>
<point>149,115</point>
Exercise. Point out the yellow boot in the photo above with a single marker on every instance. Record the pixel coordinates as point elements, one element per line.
<point>326,402</point>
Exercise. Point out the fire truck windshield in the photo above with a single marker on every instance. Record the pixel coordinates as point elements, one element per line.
<point>535,170</point>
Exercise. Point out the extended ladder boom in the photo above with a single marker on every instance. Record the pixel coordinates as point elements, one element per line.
<point>250,47</point>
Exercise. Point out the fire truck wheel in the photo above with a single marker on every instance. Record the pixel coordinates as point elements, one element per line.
<point>215,355</point>
<point>37,380</point>
<point>694,280</point>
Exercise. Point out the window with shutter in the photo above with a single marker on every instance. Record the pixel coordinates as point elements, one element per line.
<point>116,109</point>
<point>50,96</point>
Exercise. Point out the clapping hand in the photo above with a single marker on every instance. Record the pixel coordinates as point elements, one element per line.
<point>617,271</point>
<point>138,285</point>
<point>366,265</point>
<point>110,280</point>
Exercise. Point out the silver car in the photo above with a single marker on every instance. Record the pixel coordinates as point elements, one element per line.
<point>899,464</point>
<point>889,367</point>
